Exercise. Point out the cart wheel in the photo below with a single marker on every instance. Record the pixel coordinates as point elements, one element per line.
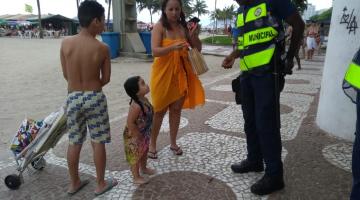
<point>38,163</point>
<point>13,181</point>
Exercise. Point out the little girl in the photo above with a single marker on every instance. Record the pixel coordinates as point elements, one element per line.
<point>138,128</point>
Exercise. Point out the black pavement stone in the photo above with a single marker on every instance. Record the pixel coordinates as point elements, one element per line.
<point>50,183</point>
<point>307,174</point>
<point>184,186</point>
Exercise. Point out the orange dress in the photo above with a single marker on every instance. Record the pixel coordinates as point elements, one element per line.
<point>172,78</point>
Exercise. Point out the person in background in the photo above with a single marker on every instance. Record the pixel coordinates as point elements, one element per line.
<point>311,32</point>
<point>234,37</point>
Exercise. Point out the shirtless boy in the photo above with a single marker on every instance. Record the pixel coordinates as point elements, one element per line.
<point>86,67</point>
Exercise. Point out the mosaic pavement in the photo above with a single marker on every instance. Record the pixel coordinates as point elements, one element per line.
<point>211,154</point>
<point>230,119</point>
<point>339,155</point>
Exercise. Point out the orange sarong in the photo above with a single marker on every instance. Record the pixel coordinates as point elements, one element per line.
<point>172,78</point>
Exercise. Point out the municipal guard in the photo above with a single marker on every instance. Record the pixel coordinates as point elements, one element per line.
<point>261,52</point>
<point>351,86</point>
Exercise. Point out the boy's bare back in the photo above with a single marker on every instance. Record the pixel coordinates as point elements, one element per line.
<point>85,62</point>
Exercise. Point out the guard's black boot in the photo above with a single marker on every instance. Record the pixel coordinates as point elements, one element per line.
<point>268,184</point>
<point>246,166</point>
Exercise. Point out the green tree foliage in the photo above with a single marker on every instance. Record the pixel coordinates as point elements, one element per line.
<point>188,8</point>
<point>215,15</point>
<point>226,14</point>
<point>152,5</point>
<point>28,8</point>
<point>324,16</point>
<point>230,12</point>
<point>200,7</point>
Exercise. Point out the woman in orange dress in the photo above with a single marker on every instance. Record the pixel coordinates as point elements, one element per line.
<point>173,85</point>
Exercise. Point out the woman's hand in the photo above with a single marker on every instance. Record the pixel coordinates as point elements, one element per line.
<point>179,45</point>
<point>193,34</point>
<point>194,30</point>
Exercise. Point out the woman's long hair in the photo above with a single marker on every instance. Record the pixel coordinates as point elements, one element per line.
<point>131,86</point>
<point>164,20</point>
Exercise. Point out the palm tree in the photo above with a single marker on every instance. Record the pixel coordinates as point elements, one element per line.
<point>152,5</point>
<point>200,7</point>
<point>232,12</point>
<point>108,15</point>
<point>39,14</point>
<point>77,4</point>
<point>223,16</point>
<point>215,15</point>
<point>227,14</point>
<point>187,8</point>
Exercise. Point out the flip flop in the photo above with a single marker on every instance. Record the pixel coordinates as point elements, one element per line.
<point>82,184</point>
<point>109,185</point>
<point>146,181</point>
<point>152,155</point>
<point>176,151</point>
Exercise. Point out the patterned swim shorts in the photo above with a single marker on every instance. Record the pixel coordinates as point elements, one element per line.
<point>87,110</point>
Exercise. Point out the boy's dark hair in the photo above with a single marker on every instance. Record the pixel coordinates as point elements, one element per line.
<point>131,86</point>
<point>88,10</point>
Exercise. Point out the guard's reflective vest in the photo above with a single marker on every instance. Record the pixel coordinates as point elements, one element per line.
<point>257,29</point>
<point>352,75</point>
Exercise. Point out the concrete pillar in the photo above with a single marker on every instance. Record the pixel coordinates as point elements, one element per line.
<point>336,113</point>
<point>118,16</point>
<point>125,17</point>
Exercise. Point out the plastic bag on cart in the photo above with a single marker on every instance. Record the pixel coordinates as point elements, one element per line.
<point>30,129</point>
<point>27,132</point>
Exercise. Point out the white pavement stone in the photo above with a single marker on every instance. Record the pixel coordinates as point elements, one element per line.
<point>207,153</point>
<point>216,50</point>
<point>231,118</point>
<point>339,155</point>
<point>312,87</point>
<point>308,88</point>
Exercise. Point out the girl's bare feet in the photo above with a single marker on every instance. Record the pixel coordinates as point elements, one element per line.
<point>148,171</point>
<point>140,180</point>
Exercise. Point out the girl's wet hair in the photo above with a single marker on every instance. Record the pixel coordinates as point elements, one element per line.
<point>131,86</point>
<point>165,21</point>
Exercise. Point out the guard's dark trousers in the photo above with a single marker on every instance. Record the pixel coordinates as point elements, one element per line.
<point>355,194</point>
<point>260,115</point>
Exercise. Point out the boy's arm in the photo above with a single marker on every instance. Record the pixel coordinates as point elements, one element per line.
<point>63,63</point>
<point>106,67</point>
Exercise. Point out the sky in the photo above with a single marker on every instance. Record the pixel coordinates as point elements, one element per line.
<point>68,7</point>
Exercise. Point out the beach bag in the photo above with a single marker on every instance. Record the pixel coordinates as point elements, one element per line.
<point>26,133</point>
<point>197,61</point>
